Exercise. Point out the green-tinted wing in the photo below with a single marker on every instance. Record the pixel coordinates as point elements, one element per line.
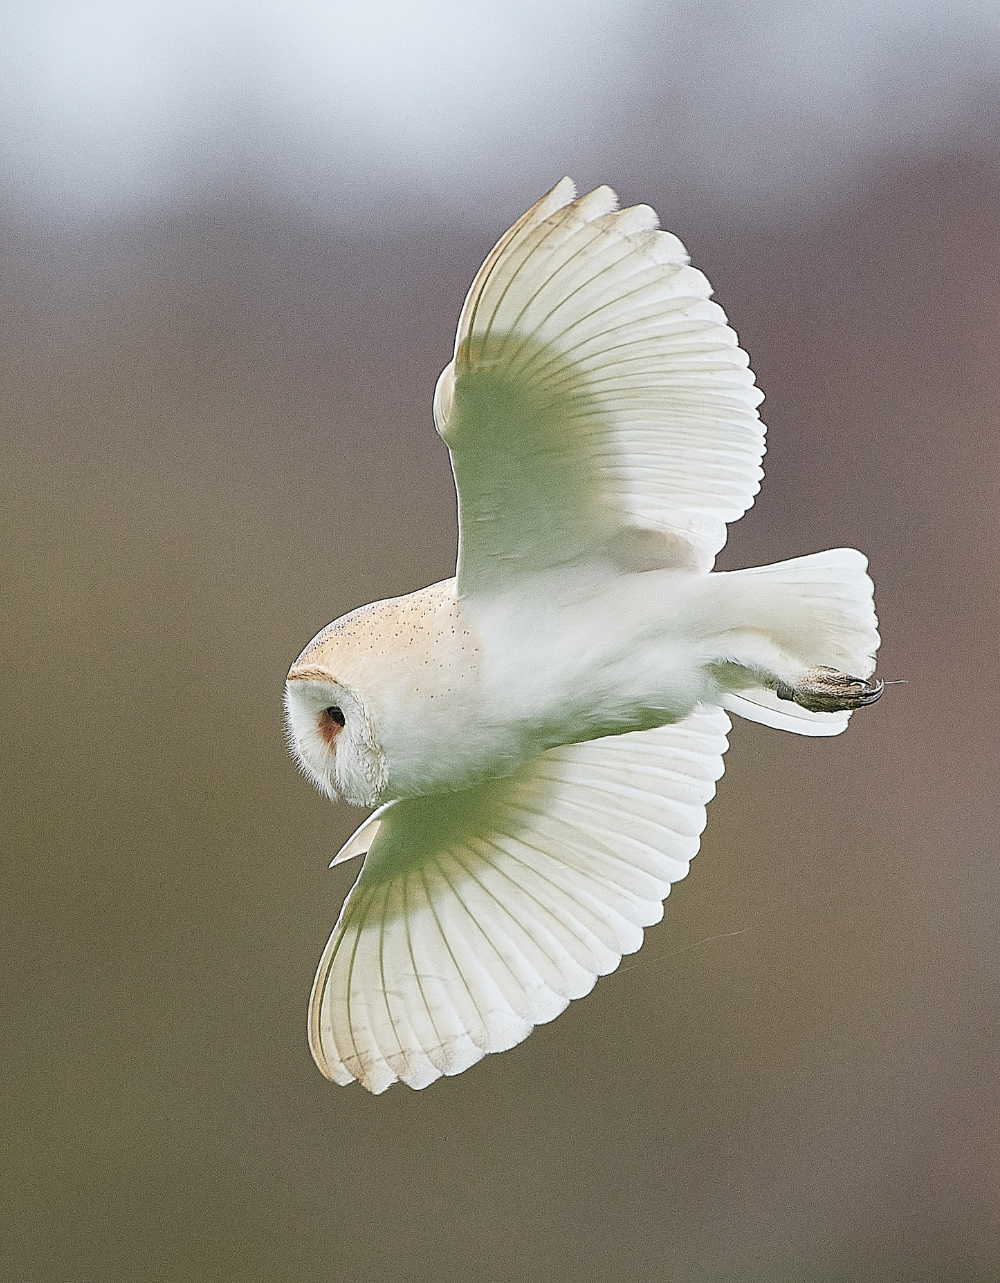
<point>597,401</point>
<point>479,914</point>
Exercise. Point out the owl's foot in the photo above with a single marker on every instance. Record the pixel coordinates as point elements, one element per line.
<point>824,690</point>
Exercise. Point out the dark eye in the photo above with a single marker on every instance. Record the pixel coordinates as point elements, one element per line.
<point>330,722</point>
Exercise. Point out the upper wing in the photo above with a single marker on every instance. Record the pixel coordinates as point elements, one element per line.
<point>480,914</point>
<point>597,400</point>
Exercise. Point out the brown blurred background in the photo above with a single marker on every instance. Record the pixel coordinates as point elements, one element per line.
<point>221,344</point>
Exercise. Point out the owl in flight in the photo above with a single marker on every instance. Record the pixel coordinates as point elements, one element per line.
<point>541,733</point>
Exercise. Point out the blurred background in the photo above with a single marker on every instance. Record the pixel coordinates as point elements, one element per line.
<point>236,238</point>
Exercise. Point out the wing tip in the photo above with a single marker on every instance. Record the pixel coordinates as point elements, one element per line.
<point>361,839</point>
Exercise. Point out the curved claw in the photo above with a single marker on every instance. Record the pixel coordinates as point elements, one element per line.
<point>824,690</point>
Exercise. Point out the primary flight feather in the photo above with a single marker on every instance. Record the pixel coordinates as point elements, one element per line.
<point>541,734</point>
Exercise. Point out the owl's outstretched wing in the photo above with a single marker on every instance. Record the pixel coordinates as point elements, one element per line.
<point>480,914</point>
<point>597,403</point>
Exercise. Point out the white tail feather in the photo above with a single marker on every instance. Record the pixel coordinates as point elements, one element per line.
<point>819,611</point>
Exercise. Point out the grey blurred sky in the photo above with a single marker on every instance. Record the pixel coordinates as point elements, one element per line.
<point>416,112</point>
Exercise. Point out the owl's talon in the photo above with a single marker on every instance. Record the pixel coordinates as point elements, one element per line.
<point>824,690</point>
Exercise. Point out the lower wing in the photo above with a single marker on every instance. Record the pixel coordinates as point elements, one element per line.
<point>480,914</point>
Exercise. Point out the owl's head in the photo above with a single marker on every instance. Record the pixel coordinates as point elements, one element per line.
<point>332,736</point>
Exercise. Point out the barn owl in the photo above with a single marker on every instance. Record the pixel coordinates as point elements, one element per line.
<point>540,734</point>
